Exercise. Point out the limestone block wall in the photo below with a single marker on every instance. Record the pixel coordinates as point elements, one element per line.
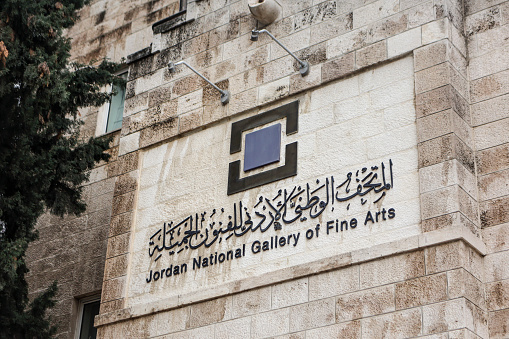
<point>428,293</point>
<point>71,250</point>
<point>448,279</point>
<point>486,29</point>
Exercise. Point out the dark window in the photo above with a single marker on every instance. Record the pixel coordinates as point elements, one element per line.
<point>88,313</point>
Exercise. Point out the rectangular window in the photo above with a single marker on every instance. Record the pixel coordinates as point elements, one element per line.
<point>88,309</point>
<point>116,107</point>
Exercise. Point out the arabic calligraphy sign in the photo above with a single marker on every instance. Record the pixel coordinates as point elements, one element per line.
<point>287,206</point>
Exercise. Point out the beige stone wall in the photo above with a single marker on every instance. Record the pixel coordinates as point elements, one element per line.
<point>431,293</point>
<point>487,24</point>
<point>344,126</point>
<point>448,280</point>
<point>71,250</point>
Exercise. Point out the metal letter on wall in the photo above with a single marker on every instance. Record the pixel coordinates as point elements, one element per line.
<point>235,183</point>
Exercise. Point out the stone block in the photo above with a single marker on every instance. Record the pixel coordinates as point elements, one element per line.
<point>386,28</point>
<point>494,212</point>
<point>482,21</point>
<point>335,27</point>
<point>313,314</point>
<point>116,267</point>
<point>445,257</point>
<point>290,293</point>
<point>315,14</point>
<point>210,312</point>
<point>445,316</point>
<point>140,68</point>
<point>392,269</point>
<point>224,33</point>
<point>136,104</point>
<point>490,110</point>
<point>499,324</point>
<point>186,85</point>
<point>252,77</point>
<point>404,42</point>
<point>315,54</point>
<point>160,95</point>
<point>126,182</point>
<point>251,302</point>
<point>489,86</point>
<point>123,203</point>
<point>445,148</point>
<point>456,334</point>
<point>435,31</point>
<point>113,289</point>
<point>273,91</point>
<point>419,15</point>
<point>159,132</point>
<point>190,120</point>
<point>338,67</point>
<point>403,324</point>
<point>200,332</point>
<point>351,330</point>
<point>421,291</point>
<point>434,125</point>
<point>238,328</point>
<point>365,303</point>
<point>497,295</point>
<point>99,202</point>
<point>118,245</point>
<point>169,322</point>
<point>494,185</point>
<point>492,134</point>
<point>243,101</point>
<point>348,42</point>
<point>448,200</point>
<point>298,83</point>
<point>496,238</point>
<point>432,77</point>
<point>190,102</point>
<point>100,219</point>
<point>120,224</point>
<point>440,99</point>
<point>374,11</point>
<point>497,266</point>
<point>111,306</point>
<point>255,57</point>
<point>125,163</point>
<point>452,315</point>
<point>371,54</point>
<point>333,283</point>
<point>495,61</point>
<point>270,324</point>
<point>451,172</point>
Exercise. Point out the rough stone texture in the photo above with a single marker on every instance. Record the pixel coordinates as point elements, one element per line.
<point>460,94</point>
<point>365,303</point>
<point>421,291</point>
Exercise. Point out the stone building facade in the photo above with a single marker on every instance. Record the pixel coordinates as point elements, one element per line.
<point>385,214</point>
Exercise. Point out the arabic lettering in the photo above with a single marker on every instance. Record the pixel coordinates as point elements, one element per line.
<point>286,207</point>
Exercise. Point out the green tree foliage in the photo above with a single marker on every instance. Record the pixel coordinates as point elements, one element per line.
<point>43,161</point>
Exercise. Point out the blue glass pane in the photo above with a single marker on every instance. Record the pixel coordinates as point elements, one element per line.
<point>262,147</point>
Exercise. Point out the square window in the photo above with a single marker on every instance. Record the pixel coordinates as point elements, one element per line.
<point>262,147</point>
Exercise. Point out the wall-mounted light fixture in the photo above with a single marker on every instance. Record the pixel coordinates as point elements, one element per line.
<point>303,65</point>
<point>264,11</point>
<point>225,95</point>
